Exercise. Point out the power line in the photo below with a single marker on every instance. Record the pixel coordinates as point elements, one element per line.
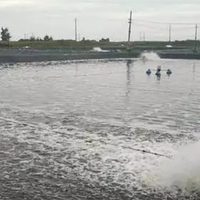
<point>150,26</point>
<point>167,28</point>
<point>166,23</point>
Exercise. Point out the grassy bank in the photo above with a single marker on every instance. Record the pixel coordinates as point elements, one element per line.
<point>93,43</point>
<point>63,43</point>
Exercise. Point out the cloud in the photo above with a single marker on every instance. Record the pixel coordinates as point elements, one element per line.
<point>97,18</point>
<point>15,3</point>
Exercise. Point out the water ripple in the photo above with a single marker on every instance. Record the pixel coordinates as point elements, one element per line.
<point>67,136</point>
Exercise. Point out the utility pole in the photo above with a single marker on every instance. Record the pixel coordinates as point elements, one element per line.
<point>76,30</point>
<point>196,32</point>
<point>25,36</point>
<point>129,30</point>
<point>170,33</point>
<point>140,36</point>
<point>144,37</point>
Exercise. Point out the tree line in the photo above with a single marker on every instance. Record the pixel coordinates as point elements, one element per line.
<point>6,36</point>
<point>33,38</point>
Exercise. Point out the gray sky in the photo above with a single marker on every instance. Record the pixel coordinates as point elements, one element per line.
<point>100,18</point>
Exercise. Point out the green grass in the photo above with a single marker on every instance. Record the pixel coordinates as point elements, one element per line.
<point>61,43</point>
<point>90,44</point>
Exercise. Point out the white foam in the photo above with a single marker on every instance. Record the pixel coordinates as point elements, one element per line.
<point>183,171</point>
<point>98,49</point>
<point>150,56</point>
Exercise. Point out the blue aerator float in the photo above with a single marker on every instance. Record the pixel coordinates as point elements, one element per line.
<point>169,72</point>
<point>158,71</point>
<point>148,72</point>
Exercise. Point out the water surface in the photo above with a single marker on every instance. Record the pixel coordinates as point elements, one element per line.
<point>71,130</point>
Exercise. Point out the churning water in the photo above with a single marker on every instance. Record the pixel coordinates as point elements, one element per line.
<point>100,130</point>
<point>150,56</point>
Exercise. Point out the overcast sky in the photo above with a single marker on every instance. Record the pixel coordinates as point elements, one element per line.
<point>100,18</point>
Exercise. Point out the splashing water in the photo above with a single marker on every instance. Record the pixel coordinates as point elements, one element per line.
<point>98,49</point>
<point>150,56</point>
<point>182,172</point>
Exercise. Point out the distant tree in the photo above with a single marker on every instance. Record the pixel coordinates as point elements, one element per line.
<point>38,39</point>
<point>5,34</point>
<point>104,40</point>
<point>32,38</point>
<point>47,38</point>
